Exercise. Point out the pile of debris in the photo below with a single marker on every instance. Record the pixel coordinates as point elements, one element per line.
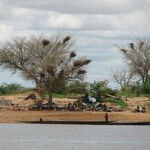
<point>140,109</point>
<point>32,102</point>
<point>123,98</point>
<point>103,107</point>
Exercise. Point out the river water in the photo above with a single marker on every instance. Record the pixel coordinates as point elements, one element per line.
<point>73,137</point>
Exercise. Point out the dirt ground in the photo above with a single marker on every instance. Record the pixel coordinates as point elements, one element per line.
<point>134,101</point>
<point>20,99</point>
<point>7,115</point>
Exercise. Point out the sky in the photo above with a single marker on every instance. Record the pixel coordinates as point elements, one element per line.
<point>97,26</point>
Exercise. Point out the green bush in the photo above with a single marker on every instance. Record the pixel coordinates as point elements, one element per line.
<point>146,88</point>
<point>133,87</point>
<point>119,103</point>
<point>110,91</point>
<point>101,88</point>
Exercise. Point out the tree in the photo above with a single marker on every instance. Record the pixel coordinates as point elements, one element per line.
<point>137,56</point>
<point>97,88</point>
<point>122,77</point>
<point>77,87</point>
<point>47,62</point>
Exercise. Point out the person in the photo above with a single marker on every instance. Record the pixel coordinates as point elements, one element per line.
<point>140,108</point>
<point>41,120</point>
<point>106,117</point>
<point>86,98</point>
<point>143,109</point>
<point>137,108</point>
<point>138,92</point>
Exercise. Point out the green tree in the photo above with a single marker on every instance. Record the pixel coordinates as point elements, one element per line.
<point>77,87</point>
<point>97,88</point>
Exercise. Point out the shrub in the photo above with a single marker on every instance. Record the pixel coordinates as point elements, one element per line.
<point>146,88</point>
<point>110,91</point>
<point>10,88</point>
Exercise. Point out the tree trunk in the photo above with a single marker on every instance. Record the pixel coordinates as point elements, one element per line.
<point>49,95</point>
<point>143,79</point>
<point>147,80</point>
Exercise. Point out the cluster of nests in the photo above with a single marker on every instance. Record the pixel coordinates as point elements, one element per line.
<point>76,64</point>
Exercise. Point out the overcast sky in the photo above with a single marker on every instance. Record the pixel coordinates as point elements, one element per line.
<point>96,25</point>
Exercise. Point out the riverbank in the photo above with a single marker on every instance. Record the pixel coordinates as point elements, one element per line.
<point>9,116</point>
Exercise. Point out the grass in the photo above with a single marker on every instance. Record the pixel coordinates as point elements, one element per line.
<point>146,95</point>
<point>120,103</point>
<point>12,89</point>
<point>55,95</point>
<point>14,92</point>
<point>126,94</point>
<point>132,94</point>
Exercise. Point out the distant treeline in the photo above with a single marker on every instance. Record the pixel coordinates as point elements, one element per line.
<point>96,89</point>
<point>13,88</point>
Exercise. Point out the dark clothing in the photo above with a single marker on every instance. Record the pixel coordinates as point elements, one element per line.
<point>106,118</point>
<point>86,98</point>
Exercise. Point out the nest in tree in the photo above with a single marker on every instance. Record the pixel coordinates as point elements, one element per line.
<point>141,44</point>
<point>42,75</point>
<point>85,62</point>
<point>81,72</point>
<point>61,74</point>
<point>124,50</point>
<point>67,38</point>
<point>81,63</point>
<point>45,42</point>
<point>50,70</point>
<point>132,45</point>
<point>72,54</point>
<point>77,63</point>
<point>61,61</point>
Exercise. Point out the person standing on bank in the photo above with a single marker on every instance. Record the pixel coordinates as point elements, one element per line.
<point>106,118</point>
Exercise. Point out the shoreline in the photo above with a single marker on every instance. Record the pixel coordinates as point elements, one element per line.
<point>89,123</point>
<point>69,117</point>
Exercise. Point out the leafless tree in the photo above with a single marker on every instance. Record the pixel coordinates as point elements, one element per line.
<point>49,62</point>
<point>137,56</point>
<point>122,77</point>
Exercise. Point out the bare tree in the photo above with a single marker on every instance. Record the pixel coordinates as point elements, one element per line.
<point>47,62</point>
<point>122,77</point>
<point>137,56</point>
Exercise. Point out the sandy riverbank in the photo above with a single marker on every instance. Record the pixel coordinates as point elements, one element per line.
<point>8,116</point>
